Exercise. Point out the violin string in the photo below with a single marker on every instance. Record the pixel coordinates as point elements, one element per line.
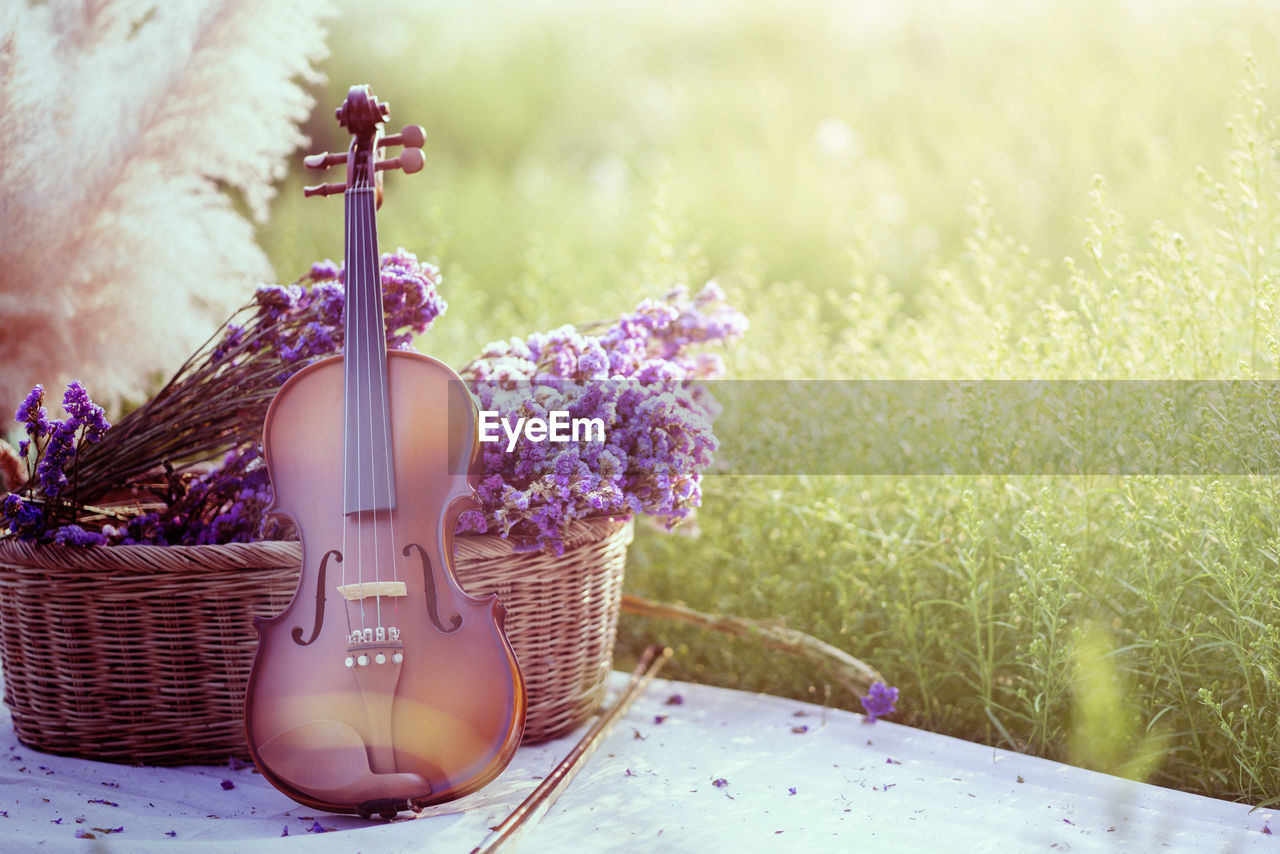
<point>372,298</point>
<point>355,292</point>
<point>384,412</point>
<point>346,409</point>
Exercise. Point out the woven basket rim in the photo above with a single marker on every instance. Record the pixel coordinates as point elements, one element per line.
<point>576,532</point>
<point>265,552</point>
<point>228,556</point>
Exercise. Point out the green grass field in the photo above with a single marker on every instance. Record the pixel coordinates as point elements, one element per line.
<point>960,190</point>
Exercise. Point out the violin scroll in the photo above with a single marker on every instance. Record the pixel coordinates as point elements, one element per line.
<point>363,114</point>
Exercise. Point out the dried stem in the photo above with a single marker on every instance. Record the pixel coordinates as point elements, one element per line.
<point>850,673</point>
<point>209,405</point>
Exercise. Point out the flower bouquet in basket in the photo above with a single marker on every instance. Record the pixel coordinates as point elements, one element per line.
<point>148,538</point>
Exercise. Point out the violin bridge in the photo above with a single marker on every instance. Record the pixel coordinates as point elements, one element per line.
<point>368,589</point>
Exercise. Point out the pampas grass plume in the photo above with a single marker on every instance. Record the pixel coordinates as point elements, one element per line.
<point>123,125</point>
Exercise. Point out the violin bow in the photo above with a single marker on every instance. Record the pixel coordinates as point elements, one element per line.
<point>540,799</point>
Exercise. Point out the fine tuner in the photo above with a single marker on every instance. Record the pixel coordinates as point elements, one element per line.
<point>410,160</point>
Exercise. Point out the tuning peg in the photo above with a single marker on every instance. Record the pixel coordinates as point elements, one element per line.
<point>323,160</point>
<point>413,136</point>
<point>323,189</point>
<point>410,160</point>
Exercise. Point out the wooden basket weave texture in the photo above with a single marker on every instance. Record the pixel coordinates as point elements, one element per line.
<point>562,615</point>
<point>142,653</point>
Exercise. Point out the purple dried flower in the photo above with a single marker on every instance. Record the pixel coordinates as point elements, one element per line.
<point>58,454</point>
<point>325,269</point>
<point>74,535</point>
<point>23,518</point>
<point>142,530</point>
<point>36,516</point>
<point>84,412</point>
<point>720,782</point>
<point>31,412</point>
<point>879,701</point>
<point>227,785</point>
<point>300,325</point>
<point>633,378</point>
<point>472,521</point>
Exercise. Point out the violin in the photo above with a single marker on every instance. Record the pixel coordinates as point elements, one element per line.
<point>383,685</point>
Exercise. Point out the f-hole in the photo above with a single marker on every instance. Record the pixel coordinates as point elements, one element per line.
<point>315,632</point>
<point>433,602</point>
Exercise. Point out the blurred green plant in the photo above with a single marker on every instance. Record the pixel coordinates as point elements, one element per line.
<point>1106,732</point>
<point>906,194</point>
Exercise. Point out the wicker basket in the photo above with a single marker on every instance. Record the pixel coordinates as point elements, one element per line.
<point>142,653</point>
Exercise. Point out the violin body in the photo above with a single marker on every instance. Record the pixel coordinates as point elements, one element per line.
<point>383,685</point>
<point>447,718</point>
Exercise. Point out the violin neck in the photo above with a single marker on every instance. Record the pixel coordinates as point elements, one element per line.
<point>368,479</point>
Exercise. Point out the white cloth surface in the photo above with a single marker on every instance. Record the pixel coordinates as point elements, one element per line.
<point>796,778</point>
